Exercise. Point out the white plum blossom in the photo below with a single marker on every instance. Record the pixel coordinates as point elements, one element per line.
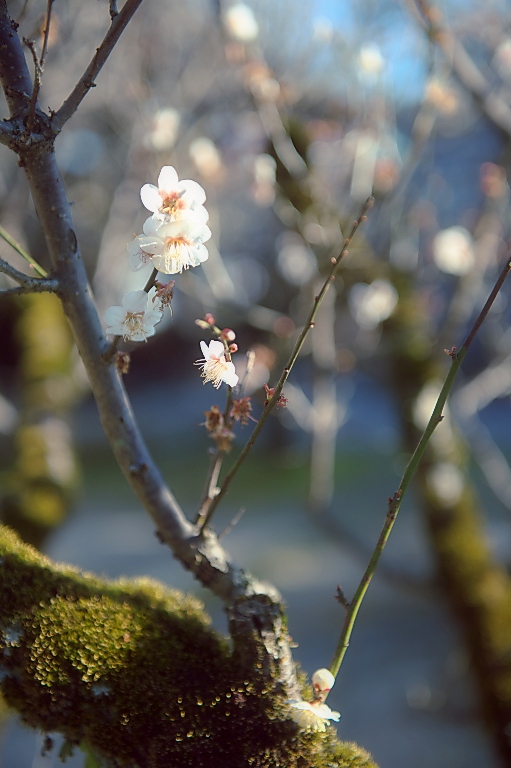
<point>312,716</point>
<point>173,199</point>
<point>215,367</point>
<point>136,318</point>
<point>171,246</point>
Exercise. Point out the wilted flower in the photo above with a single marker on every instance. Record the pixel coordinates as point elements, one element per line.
<point>136,318</point>
<point>241,410</point>
<point>171,246</point>
<point>312,716</point>
<point>215,367</point>
<point>173,199</point>
<point>214,419</point>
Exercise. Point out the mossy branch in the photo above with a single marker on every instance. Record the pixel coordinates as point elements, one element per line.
<point>134,669</point>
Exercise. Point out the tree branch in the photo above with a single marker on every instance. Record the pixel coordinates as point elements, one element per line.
<point>255,610</point>
<point>119,22</point>
<point>35,284</point>
<point>464,68</point>
<point>394,503</point>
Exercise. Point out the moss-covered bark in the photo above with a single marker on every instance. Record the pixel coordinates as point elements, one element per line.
<point>134,669</point>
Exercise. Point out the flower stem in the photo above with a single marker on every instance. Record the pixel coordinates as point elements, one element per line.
<point>394,503</point>
<point>308,326</point>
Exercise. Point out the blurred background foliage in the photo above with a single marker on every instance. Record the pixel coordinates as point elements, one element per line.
<point>290,116</point>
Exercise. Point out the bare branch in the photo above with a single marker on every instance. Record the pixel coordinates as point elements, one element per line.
<point>46,33</point>
<point>14,75</point>
<point>86,82</point>
<point>35,90</point>
<point>27,283</point>
<point>464,68</point>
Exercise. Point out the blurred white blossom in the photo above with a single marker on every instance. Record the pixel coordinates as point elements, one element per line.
<point>136,318</point>
<point>502,59</point>
<point>215,367</point>
<point>164,129</point>
<point>453,251</point>
<point>446,481</point>
<point>370,59</point>
<point>372,304</point>
<point>206,156</point>
<point>240,23</point>
<point>295,260</point>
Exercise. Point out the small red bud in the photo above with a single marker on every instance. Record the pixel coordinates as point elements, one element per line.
<point>233,348</point>
<point>209,318</point>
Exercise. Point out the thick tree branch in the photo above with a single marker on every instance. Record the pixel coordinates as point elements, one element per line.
<point>119,22</point>
<point>255,610</point>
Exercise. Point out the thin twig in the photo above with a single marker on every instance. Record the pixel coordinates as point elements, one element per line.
<point>210,486</point>
<point>27,283</point>
<point>235,520</point>
<point>46,33</point>
<point>86,82</point>
<point>309,324</point>
<point>396,500</point>
<point>35,89</point>
<point>22,252</point>
<point>467,72</point>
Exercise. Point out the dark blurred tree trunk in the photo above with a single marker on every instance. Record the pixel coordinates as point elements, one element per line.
<point>39,487</point>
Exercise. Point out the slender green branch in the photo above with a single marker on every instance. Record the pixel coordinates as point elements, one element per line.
<point>353,607</point>
<point>17,247</point>
<point>274,399</point>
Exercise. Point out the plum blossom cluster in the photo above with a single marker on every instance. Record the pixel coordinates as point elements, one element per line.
<point>172,241</point>
<point>174,235</point>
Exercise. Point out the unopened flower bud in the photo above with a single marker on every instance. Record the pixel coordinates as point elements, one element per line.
<point>228,334</point>
<point>210,320</point>
<point>323,680</point>
<point>233,348</point>
<point>202,324</point>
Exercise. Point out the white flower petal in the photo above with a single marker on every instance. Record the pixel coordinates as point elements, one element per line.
<point>216,349</point>
<point>192,193</point>
<point>168,179</point>
<point>135,301</point>
<point>150,197</point>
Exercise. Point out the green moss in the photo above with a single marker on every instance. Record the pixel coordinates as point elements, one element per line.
<point>134,669</point>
